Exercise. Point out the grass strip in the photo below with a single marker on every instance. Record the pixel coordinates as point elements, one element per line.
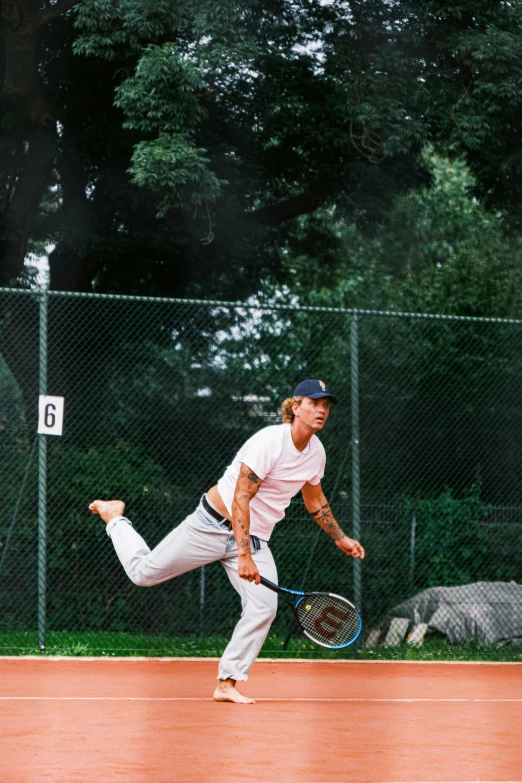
<point>108,643</point>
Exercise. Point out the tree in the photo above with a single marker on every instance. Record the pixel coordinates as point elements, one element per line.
<point>238,118</point>
<point>436,250</point>
<point>29,120</point>
<point>439,400</point>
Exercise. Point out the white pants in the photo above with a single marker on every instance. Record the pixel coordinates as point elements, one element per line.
<point>199,540</point>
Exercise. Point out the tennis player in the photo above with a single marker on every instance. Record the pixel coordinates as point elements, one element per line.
<point>233,523</point>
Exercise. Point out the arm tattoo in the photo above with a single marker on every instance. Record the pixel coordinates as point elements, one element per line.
<point>325,519</point>
<point>239,521</point>
<point>241,510</point>
<point>251,476</point>
<point>252,479</point>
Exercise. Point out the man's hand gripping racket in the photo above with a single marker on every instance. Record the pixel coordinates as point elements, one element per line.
<point>327,619</point>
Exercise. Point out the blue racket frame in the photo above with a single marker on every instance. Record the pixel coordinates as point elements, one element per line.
<point>282,590</point>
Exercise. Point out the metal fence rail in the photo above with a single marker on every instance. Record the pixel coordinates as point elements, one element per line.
<point>424,459</point>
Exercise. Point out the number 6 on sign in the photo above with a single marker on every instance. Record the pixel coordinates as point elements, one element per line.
<point>50,415</point>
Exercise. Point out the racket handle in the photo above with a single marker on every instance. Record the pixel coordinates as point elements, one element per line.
<point>269,584</point>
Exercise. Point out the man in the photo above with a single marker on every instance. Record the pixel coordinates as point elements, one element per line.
<point>249,499</point>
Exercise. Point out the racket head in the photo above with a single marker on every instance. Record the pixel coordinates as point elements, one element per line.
<point>328,619</point>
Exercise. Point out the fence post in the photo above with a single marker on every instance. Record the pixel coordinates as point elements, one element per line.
<point>42,483</point>
<point>412,552</point>
<point>356,483</point>
<point>201,594</point>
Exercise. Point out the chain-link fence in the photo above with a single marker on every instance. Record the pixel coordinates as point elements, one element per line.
<point>424,458</point>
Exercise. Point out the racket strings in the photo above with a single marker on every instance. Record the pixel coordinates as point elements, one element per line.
<point>328,619</point>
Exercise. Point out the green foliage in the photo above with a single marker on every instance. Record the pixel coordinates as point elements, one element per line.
<point>161,97</point>
<point>116,470</point>
<point>84,592</point>
<point>235,108</point>
<point>438,250</point>
<point>176,168</point>
<point>277,96</point>
<point>452,537</point>
<point>162,93</point>
<point>458,542</point>
<point>107,26</point>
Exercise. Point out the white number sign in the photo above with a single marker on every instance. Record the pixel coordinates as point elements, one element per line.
<point>50,418</point>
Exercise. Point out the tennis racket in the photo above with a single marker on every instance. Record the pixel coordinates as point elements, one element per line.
<point>327,619</point>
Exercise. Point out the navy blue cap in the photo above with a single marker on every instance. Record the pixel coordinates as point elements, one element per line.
<point>313,389</point>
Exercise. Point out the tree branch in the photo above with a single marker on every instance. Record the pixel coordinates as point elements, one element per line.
<point>53,12</point>
<point>305,202</point>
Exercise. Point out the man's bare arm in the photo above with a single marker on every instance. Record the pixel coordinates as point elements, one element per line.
<point>318,506</point>
<point>325,519</point>
<point>246,489</point>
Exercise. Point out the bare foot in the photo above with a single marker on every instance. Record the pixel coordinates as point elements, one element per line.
<point>227,691</point>
<point>107,509</point>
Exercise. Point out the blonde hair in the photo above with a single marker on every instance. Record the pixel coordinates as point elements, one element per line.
<point>287,413</point>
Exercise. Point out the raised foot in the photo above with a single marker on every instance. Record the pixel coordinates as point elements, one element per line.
<point>107,509</point>
<point>230,693</point>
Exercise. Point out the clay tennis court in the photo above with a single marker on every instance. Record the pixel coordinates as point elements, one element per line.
<point>315,722</point>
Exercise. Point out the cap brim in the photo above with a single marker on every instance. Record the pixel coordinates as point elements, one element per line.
<point>318,395</point>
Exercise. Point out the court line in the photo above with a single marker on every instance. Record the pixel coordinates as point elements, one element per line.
<point>296,699</point>
<point>203,659</point>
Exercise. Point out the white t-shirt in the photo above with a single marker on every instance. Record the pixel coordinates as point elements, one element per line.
<point>271,454</point>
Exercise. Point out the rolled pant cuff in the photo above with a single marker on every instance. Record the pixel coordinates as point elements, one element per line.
<point>236,677</point>
<point>114,521</point>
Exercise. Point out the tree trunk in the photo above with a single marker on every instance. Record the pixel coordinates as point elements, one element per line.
<point>72,264</point>
<point>31,110</point>
<point>23,206</point>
